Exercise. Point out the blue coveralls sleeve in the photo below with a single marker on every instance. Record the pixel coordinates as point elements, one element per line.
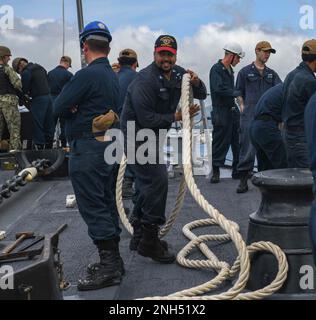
<point>26,81</point>
<point>240,85</point>
<point>218,86</point>
<point>72,93</point>
<point>144,98</point>
<point>200,91</point>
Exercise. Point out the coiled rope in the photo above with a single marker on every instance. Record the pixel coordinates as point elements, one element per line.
<point>224,270</point>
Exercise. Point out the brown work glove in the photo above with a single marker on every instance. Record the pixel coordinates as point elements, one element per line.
<point>104,121</point>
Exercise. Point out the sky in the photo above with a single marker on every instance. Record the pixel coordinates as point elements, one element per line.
<point>201,27</point>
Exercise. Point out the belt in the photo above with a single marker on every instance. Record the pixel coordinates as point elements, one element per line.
<point>266,117</point>
<point>86,135</point>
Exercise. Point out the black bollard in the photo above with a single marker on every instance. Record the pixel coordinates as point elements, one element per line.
<point>282,219</point>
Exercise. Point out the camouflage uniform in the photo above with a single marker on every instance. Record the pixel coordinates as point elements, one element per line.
<point>9,111</point>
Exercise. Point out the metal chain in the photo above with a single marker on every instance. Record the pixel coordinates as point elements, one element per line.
<point>17,181</point>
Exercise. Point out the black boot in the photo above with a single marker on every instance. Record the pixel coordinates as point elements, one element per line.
<point>127,189</point>
<point>137,235</point>
<point>96,266</point>
<point>106,273</point>
<point>216,175</point>
<point>243,185</point>
<point>150,245</point>
<point>235,175</point>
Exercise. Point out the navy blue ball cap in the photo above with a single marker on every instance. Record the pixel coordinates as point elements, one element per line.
<point>95,29</point>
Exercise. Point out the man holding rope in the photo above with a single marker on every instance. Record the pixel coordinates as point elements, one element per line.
<point>151,103</point>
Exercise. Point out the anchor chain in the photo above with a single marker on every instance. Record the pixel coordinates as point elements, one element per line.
<point>19,180</point>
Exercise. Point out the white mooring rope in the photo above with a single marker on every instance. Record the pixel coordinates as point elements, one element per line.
<point>224,270</point>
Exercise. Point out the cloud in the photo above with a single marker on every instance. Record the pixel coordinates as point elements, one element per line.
<point>41,42</point>
<point>33,23</point>
<point>205,48</point>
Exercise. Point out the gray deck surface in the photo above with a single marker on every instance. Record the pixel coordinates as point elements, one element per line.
<point>41,207</point>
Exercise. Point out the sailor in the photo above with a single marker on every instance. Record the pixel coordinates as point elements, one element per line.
<point>35,85</point>
<point>88,102</point>
<point>265,133</point>
<point>252,82</point>
<point>57,78</point>
<point>9,112</point>
<point>300,90</point>
<point>151,104</point>
<point>128,63</point>
<point>225,114</point>
<point>310,130</point>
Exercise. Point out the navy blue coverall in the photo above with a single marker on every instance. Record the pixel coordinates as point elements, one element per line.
<point>151,103</point>
<point>225,115</point>
<point>300,90</point>
<point>126,76</point>
<point>288,80</point>
<point>57,78</point>
<point>35,84</point>
<point>264,131</point>
<point>251,85</point>
<point>94,90</point>
<point>310,130</point>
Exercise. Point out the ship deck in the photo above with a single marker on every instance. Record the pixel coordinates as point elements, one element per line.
<point>40,207</point>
